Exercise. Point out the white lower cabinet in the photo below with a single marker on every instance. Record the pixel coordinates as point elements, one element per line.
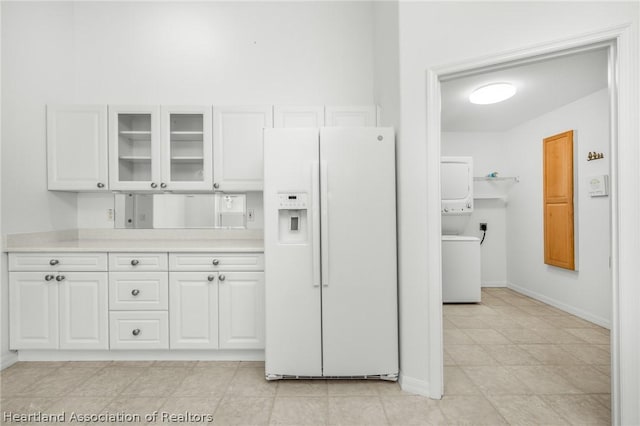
<point>241,310</point>
<point>139,330</point>
<point>194,310</point>
<point>65,310</point>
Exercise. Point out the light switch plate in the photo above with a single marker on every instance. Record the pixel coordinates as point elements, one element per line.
<point>599,186</point>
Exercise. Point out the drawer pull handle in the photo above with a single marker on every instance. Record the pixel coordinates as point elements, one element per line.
<point>221,277</point>
<point>216,262</point>
<point>134,262</point>
<point>135,292</point>
<point>60,278</point>
<point>54,262</point>
<point>211,277</point>
<point>48,277</point>
<point>136,331</point>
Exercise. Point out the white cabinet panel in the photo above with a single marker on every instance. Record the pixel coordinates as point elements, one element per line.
<point>139,330</point>
<point>237,146</point>
<point>138,291</point>
<point>241,310</point>
<point>298,116</point>
<point>187,148</point>
<point>351,116</point>
<point>194,310</point>
<point>216,262</point>
<point>134,147</point>
<point>138,261</point>
<point>83,310</point>
<point>77,148</point>
<point>33,301</point>
<point>57,261</point>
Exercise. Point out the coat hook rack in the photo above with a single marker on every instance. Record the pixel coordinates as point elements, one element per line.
<point>595,156</point>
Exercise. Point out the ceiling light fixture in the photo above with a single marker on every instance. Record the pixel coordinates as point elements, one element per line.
<point>492,93</point>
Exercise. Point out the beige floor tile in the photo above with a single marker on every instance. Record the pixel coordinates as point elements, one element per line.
<point>467,322</point>
<point>204,408</point>
<point>132,363</point>
<point>356,410</point>
<point>447,324</point>
<point>109,381</point>
<point>467,310</point>
<point>447,359</point>
<point>544,379</point>
<point>496,381</point>
<point>532,322</point>
<point>79,405</point>
<point>352,388</point>
<point>59,383</point>
<point>604,369</point>
<point>501,321</point>
<point>140,406</point>
<point>156,381</point>
<point>469,355</point>
<point>521,302</point>
<point>470,410</point>
<point>551,354</point>
<point>14,380</point>
<point>590,335</point>
<point>590,354</point>
<point>580,409</point>
<point>586,378</point>
<point>510,355</point>
<point>43,364</point>
<point>523,336</point>
<point>251,382</point>
<point>456,382</point>
<point>205,382</point>
<point>26,405</point>
<point>295,411</point>
<point>251,364</point>
<point>487,337</point>
<point>243,411</point>
<point>387,388</point>
<point>302,388</point>
<point>567,321</point>
<point>493,301</point>
<point>604,399</point>
<point>542,310</point>
<point>412,410</point>
<point>509,311</point>
<point>184,364</point>
<point>526,410</point>
<point>89,364</point>
<point>456,337</point>
<point>558,336</point>
<point>217,364</point>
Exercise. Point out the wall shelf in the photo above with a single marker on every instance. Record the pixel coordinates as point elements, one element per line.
<point>134,158</point>
<point>136,135</point>
<point>193,136</point>
<point>497,179</point>
<point>490,197</point>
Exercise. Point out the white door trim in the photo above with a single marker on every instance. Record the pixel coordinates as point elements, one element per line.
<point>625,199</point>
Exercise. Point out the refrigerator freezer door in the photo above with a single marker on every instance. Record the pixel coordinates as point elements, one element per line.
<point>359,293</point>
<point>292,255</point>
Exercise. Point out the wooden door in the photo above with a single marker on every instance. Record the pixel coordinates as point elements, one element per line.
<point>242,313</point>
<point>558,200</point>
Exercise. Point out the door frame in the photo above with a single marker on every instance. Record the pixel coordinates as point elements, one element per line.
<point>625,228</point>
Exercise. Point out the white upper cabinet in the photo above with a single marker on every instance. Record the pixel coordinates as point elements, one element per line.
<point>298,116</point>
<point>134,147</point>
<point>77,147</point>
<point>351,116</point>
<point>237,146</point>
<point>187,148</point>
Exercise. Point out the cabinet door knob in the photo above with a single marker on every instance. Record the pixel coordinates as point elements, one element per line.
<point>54,262</point>
<point>100,185</point>
<point>135,331</point>
<point>211,277</point>
<point>215,262</point>
<point>154,185</point>
<point>221,277</point>
<point>134,262</point>
<point>60,278</point>
<point>48,277</point>
<point>163,185</point>
<point>216,185</point>
<point>135,292</point>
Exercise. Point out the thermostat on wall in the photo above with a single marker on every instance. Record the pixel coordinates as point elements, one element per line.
<point>599,186</point>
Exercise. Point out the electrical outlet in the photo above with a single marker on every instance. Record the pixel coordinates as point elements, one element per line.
<point>110,215</point>
<point>483,226</point>
<point>251,215</point>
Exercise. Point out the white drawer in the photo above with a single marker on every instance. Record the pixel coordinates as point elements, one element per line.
<point>139,330</point>
<point>138,291</point>
<point>58,262</point>
<point>216,262</point>
<point>138,261</point>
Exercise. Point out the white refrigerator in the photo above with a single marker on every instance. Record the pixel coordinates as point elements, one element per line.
<point>330,253</point>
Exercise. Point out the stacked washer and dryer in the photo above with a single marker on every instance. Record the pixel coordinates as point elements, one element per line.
<point>461,281</point>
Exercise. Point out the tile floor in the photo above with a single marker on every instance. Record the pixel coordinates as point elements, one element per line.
<point>509,360</point>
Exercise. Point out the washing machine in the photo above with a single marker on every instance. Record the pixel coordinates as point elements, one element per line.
<point>461,280</point>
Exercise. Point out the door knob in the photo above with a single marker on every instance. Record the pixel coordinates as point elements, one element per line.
<point>48,277</point>
<point>100,185</point>
<point>211,277</point>
<point>136,331</point>
<point>135,292</point>
<point>216,185</point>
<point>163,185</point>
<point>215,262</point>
<point>154,185</point>
<point>134,262</point>
<point>54,262</point>
<point>60,278</point>
<point>221,277</point>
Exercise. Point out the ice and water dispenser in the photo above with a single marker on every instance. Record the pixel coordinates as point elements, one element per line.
<point>293,218</point>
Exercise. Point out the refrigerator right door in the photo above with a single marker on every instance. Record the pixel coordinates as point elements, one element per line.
<point>358,227</point>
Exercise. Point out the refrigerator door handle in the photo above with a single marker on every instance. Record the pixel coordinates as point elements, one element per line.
<point>324,229</point>
<point>315,222</point>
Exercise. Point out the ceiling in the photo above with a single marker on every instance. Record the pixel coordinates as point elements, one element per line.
<point>542,87</point>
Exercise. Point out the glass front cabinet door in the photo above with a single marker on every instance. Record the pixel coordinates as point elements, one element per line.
<point>134,148</point>
<point>186,148</point>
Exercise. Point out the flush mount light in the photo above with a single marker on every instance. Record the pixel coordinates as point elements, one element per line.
<point>492,93</point>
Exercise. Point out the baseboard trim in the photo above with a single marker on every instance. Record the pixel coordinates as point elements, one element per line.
<point>563,306</point>
<point>494,284</point>
<point>8,359</point>
<point>413,385</point>
<point>140,355</point>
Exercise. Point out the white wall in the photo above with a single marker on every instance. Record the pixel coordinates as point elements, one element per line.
<point>489,155</point>
<point>438,33</point>
<point>586,292</point>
